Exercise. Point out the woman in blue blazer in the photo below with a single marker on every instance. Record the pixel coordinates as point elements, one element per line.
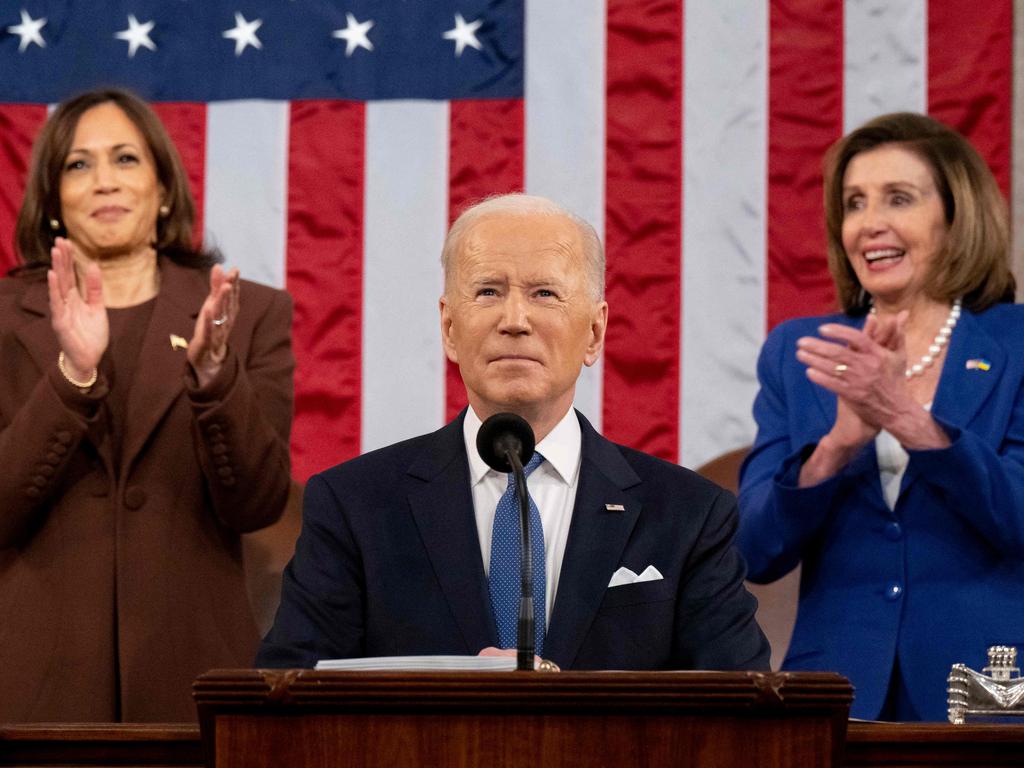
<point>889,458</point>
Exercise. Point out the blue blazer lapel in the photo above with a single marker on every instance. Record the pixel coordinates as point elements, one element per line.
<point>597,538</point>
<point>442,507</point>
<point>963,391</point>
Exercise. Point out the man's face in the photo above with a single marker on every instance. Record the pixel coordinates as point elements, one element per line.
<point>518,316</point>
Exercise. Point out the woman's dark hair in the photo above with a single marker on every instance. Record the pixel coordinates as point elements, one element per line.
<point>975,259</point>
<point>34,235</point>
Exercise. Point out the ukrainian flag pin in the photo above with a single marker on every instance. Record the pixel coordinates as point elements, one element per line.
<point>977,364</point>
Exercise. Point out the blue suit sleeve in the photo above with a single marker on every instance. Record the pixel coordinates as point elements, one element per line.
<point>716,628</point>
<point>321,611</point>
<point>778,518</point>
<point>982,485</point>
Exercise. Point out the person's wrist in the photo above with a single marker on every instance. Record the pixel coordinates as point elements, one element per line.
<point>209,366</point>
<point>83,380</point>
<point>918,431</point>
<point>840,448</point>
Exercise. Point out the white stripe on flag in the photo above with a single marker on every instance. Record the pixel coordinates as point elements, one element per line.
<point>724,173</point>
<point>246,190</point>
<point>564,85</point>
<point>405,193</point>
<point>885,59</point>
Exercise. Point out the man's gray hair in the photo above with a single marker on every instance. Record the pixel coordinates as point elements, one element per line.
<point>518,204</point>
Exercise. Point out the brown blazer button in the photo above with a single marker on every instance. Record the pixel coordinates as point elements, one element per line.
<point>221,460</point>
<point>46,470</point>
<point>213,430</point>
<point>134,497</point>
<point>219,448</point>
<point>52,458</point>
<point>224,472</point>
<point>63,437</point>
<point>39,481</point>
<point>32,492</point>
<point>228,481</point>
<point>59,448</point>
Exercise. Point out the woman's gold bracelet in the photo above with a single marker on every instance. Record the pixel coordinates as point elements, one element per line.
<point>84,386</point>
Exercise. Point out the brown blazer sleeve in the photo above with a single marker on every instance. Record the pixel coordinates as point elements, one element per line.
<point>242,422</point>
<point>37,444</point>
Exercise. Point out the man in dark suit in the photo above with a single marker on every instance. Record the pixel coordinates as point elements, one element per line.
<point>400,549</point>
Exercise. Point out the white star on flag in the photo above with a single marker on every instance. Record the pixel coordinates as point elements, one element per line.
<point>244,34</point>
<point>137,35</point>
<point>354,34</point>
<point>464,34</point>
<point>28,31</point>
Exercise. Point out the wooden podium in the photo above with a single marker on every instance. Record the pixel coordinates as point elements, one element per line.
<point>257,718</point>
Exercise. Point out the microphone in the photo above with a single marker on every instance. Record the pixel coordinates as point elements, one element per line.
<point>505,442</point>
<point>501,433</point>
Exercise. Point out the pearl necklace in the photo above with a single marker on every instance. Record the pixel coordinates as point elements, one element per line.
<point>938,343</point>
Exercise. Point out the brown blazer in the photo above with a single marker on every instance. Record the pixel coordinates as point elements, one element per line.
<point>119,585</point>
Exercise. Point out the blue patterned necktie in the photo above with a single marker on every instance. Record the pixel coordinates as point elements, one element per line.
<point>505,564</point>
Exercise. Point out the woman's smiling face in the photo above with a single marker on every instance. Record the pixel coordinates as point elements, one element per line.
<point>894,223</point>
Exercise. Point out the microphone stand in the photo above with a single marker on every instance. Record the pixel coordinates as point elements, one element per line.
<point>526,625</point>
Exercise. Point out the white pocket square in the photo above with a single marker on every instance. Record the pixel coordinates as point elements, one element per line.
<point>626,576</point>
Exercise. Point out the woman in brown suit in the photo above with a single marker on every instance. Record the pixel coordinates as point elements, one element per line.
<point>145,407</point>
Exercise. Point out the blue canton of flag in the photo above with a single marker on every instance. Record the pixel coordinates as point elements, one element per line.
<point>215,50</point>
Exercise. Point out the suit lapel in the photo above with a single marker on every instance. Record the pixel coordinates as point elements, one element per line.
<point>160,367</point>
<point>962,391</point>
<point>37,336</point>
<point>442,507</point>
<point>597,538</point>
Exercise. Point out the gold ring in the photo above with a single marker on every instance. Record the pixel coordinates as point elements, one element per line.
<point>841,368</point>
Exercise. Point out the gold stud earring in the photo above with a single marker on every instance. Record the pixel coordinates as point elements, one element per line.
<point>165,211</point>
<point>55,225</point>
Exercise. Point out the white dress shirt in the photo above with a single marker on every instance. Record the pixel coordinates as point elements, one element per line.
<point>892,464</point>
<point>552,487</point>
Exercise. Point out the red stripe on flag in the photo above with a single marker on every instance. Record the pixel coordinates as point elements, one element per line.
<point>485,157</point>
<point>970,75</point>
<point>186,123</point>
<point>325,277</point>
<point>19,124</point>
<point>805,115</point>
<point>643,224</point>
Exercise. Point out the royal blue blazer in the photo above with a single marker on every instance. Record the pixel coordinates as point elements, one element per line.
<point>933,582</point>
<point>388,564</point>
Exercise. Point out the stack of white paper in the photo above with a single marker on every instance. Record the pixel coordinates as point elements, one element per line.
<point>421,664</point>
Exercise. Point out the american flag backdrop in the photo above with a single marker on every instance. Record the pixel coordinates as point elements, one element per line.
<point>329,145</point>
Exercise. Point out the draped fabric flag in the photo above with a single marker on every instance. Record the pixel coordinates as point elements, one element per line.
<point>330,144</point>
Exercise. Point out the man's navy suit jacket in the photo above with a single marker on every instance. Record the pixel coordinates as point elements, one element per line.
<point>388,563</point>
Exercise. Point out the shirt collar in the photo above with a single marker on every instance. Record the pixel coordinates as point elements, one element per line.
<point>561,448</point>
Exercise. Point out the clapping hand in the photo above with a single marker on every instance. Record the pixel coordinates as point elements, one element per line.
<point>209,346</point>
<point>79,317</point>
<point>865,369</point>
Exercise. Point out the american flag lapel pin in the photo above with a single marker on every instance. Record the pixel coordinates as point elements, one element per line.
<point>977,364</point>
<point>614,507</point>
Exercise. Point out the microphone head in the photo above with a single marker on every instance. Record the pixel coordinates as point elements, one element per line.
<point>501,433</point>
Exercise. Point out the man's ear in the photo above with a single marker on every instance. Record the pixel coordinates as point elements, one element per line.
<point>446,330</point>
<point>598,326</point>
